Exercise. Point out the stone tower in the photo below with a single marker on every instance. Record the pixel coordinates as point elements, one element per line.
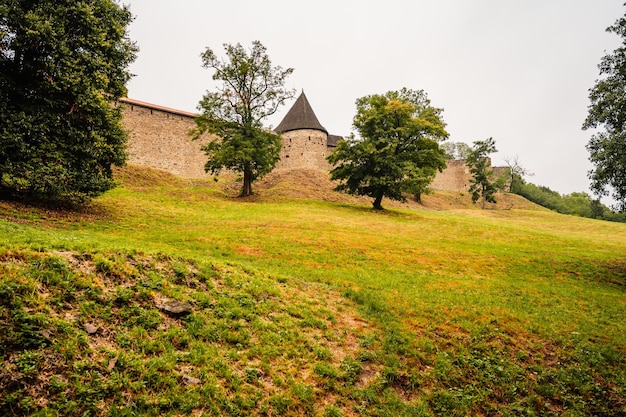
<point>306,143</point>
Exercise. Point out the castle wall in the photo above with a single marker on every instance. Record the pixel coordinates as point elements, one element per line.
<point>455,177</point>
<point>305,148</point>
<point>159,139</point>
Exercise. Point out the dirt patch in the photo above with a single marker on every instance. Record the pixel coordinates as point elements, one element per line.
<point>344,325</point>
<point>248,250</point>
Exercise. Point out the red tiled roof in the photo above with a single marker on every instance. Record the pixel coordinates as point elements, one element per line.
<point>134,102</point>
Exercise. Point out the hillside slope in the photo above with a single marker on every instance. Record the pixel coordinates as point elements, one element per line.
<point>311,184</point>
<point>172,297</point>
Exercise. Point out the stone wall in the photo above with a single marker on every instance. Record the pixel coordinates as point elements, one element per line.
<point>158,139</point>
<point>455,177</point>
<point>305,148</point>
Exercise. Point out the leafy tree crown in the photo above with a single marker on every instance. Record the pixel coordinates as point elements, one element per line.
<point>397,150</point>
<point>62,62</point>
<point>607,113</point>
<point>249,90</point>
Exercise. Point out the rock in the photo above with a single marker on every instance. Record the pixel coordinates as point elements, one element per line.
<point>175,308</point>
<point>112,363</point>
<point>189,380</point>
<point>90,328</point>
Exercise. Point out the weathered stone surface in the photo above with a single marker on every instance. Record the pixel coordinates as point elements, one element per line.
<point>175,308</point>
<point>112,363</point>
<point>159,139</point>
<point>304,148</point>
<point>189,380</point>
<point>90,328</point>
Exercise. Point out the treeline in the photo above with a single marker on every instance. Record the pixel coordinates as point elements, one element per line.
<point>577,204</point>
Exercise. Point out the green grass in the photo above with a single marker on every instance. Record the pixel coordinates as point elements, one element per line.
<point>306,307</point>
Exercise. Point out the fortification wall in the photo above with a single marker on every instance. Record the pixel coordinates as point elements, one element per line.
<point>305,148</point>
<point>455,177</point>
<point>159,139</point>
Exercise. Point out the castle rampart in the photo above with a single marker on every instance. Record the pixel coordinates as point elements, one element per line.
<point>159,139</point>
<point>455,177</point>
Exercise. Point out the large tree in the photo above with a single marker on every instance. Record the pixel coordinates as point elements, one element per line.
<point>483,182</point>
<point>397,151</point>
<point>607,111</point>
<point>249,90</point>
<point>456,150</point>
<point>62,63</point>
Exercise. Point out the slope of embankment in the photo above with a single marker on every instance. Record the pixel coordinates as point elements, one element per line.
<point>169,296</point>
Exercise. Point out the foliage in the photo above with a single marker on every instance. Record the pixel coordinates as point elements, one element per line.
<point>483,181</point>
<point>607,111</point>
<point>398,149</point>
<point>515,172</point>
<point>61,64</point>
<point>251,90</point>
<point>577,204</point>
<point>456,150</point>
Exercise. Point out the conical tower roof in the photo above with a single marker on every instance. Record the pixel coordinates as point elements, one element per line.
<point>300,116</point>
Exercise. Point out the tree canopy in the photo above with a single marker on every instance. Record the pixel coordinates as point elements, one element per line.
<point>397,151</point>
<point>607,112</point>
<point>250,89</point>
<point>483,184</point>
<point>62,63</point>
<point>456,150</point>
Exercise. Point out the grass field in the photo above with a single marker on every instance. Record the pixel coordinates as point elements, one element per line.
<point>305,302</point>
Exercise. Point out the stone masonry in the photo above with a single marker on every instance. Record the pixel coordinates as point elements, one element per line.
<point>305,148</point>
<point>159,139</point>
<point>455,177</point>
<point>305,142</point>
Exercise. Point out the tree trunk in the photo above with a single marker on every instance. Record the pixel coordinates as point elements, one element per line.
<point>376,204</point>
<point>484,197</point>
<point>418,197</point>
<point>247,183</point>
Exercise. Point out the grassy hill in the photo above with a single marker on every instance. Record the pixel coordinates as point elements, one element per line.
<point>306,302</point>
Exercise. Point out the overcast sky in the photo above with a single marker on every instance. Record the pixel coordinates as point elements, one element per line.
<point>515,70</point>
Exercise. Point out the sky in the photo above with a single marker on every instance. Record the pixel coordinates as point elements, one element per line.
<point>515,70</point>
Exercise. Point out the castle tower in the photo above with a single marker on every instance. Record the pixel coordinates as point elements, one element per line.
<point>304,139</point>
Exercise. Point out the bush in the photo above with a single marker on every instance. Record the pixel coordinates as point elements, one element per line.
<point>577,204</point>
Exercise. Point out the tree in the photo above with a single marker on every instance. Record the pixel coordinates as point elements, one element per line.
<point>251,89</point>
<point>62,63</point>
<point>516,172</point>
<point>456,150</point>
<point>483,183</point>
<point>398,149</point>
<point>607,111</point>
